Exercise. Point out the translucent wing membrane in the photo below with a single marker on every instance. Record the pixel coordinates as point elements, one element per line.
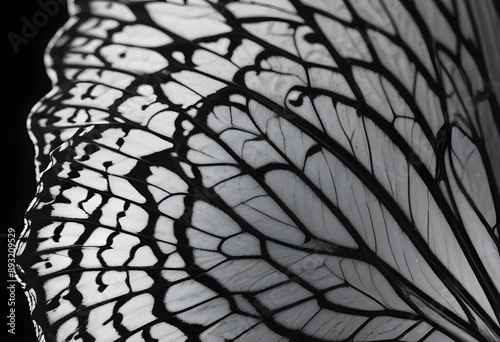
<point>275,171</point>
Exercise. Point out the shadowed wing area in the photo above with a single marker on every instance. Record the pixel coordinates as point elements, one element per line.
<point>268,171</point>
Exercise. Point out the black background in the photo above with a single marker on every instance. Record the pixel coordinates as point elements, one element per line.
<point>24,82</point>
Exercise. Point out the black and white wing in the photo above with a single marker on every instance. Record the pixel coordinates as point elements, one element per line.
<point>268,171</point>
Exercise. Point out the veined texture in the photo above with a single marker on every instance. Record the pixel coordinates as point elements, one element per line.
<point>292,170</point>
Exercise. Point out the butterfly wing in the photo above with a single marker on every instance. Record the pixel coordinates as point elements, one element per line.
<point>244,171</point>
